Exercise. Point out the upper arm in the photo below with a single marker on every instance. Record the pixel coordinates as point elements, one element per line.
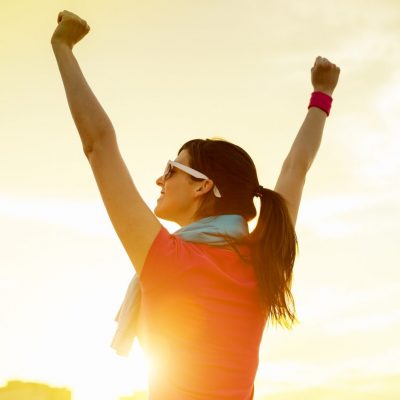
<point>133,221</point>
<point>290,186</point>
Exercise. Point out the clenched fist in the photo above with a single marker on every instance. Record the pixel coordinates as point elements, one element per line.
<point>70,29</point>
<point>324,75</point>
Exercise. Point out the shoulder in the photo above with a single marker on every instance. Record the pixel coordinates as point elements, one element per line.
<point>170,256</point>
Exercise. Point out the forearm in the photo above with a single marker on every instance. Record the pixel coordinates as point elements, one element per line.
<point>308,140</point>
<point>90,119</point>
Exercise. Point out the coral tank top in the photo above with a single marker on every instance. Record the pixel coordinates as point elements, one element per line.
<point>201,321</point>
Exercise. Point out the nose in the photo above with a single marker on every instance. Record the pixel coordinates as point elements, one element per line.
<point>160,181</point>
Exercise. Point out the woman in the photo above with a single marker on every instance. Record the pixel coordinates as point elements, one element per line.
<point>209,289</point>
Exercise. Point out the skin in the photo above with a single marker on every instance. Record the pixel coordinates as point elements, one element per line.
<point>180,196</point>
<point>135,224</point>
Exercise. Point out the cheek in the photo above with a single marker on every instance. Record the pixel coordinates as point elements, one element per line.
<point>177,196</point>
<point>182,194</point>
<point>175,187</point>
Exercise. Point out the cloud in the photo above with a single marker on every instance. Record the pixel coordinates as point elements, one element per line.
<point>367,138</point>
<point>383,147</point>
<point>329,302</point>
<point>330,215</point>
<point>369,323</point>
<point>85,217</point>
<point>372,372</point>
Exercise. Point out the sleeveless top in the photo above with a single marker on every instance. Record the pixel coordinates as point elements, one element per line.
<point>201,320</point>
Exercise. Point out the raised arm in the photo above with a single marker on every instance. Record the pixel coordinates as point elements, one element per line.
<point>133,221</point>
<point>324,78</point>
<point>90,119</point>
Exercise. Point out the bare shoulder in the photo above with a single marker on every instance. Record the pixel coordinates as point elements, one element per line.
<point>134,222</point>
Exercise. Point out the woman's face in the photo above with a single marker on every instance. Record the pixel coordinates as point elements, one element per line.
<point>179,198</point>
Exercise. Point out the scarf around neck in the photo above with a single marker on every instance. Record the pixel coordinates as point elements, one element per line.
<point>216,231</point>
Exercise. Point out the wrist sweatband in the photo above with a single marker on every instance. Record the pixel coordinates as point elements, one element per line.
<point>321,100</point>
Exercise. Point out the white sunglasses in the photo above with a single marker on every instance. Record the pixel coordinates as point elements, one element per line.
<point>188,170</point>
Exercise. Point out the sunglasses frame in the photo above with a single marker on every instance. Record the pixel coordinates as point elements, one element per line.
<point>190,171</point>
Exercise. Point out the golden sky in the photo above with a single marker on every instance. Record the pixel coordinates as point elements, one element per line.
<point>167,71</point>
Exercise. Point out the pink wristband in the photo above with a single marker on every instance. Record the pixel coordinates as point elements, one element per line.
<point>321,100</point>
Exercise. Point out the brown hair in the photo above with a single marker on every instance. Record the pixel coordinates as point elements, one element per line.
<point>273,241</point>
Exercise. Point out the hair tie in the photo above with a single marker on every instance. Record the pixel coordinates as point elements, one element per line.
<point>259,191</point>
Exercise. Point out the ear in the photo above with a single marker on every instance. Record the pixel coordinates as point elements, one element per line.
<point>204,187</point>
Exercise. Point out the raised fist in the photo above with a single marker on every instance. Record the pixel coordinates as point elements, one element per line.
<point>324,75</point>
<point>70,29</point>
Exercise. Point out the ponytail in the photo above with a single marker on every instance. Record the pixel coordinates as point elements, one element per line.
<point>274,245</point>
<point>273,242</point>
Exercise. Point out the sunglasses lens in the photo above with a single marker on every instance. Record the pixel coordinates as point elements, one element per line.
<point>167,172</point>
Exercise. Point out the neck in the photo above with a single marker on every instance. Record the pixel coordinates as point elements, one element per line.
<point>188,217</point>
<point>186,221</point>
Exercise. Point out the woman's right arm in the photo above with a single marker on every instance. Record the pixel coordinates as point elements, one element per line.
<point>134,223</point>
<point>324,78</point>
<point>90,119</point>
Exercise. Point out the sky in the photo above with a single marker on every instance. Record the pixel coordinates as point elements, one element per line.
<point>166,72</point>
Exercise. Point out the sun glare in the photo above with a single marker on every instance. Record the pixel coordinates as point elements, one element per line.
<point>122,377</point>
<point>140,366</point>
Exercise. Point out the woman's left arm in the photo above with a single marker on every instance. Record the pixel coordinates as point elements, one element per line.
<point>324,78</point>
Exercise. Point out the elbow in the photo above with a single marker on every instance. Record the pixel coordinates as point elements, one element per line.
<point>93,132</point>
<point>87,148</point>
<point>107,140</point>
